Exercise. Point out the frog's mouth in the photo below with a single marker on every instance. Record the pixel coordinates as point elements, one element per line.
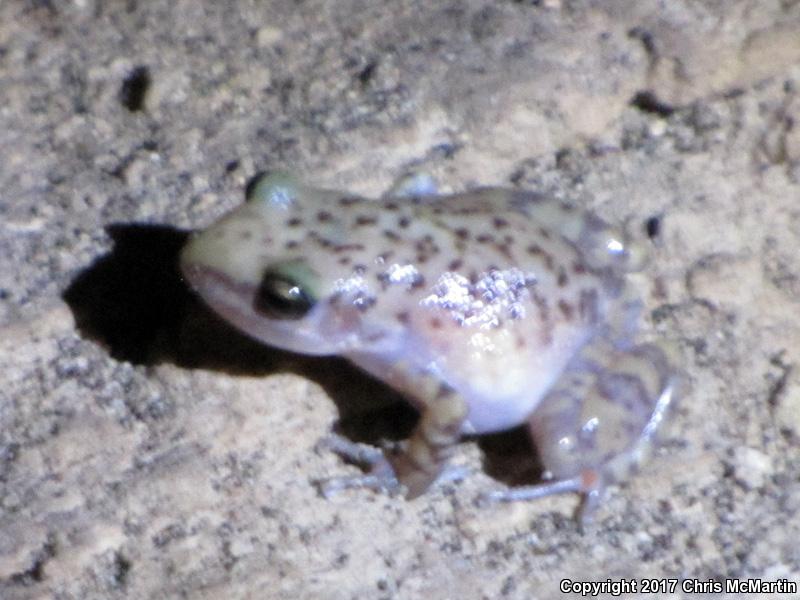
<point>223,294</point>
<point>233,300</point>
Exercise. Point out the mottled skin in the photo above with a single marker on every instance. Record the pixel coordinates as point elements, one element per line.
<point>486,309</point>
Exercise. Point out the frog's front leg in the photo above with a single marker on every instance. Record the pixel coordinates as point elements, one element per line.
<point>421,460</point>
<point>432,442</point>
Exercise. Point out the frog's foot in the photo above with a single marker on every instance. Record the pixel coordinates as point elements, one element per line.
<point>589,484</point>
<point>380,471</point>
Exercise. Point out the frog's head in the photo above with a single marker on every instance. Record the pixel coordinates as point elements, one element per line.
<point>261,269</point>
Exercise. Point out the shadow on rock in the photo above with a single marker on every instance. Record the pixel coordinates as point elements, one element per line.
<point>134,302</point>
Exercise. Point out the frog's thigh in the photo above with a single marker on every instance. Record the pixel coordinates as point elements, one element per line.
<point>432,441</point>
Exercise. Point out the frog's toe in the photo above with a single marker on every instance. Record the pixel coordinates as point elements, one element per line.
<point>361,454</point>
<point>380,474</point>
<point>588,484</point>
<point>382,482</point>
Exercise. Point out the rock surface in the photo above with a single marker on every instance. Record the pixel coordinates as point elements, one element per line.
<point>147,451</point>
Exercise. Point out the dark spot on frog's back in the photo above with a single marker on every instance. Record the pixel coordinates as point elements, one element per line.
<point>537,250</point>
<point>339,248</point>
<point>323,242</point>
<point>349,200</point>
<point>542,304</point>
<point>403,317</point>
<point>362,220</point>
<point>294,222</point>
<point>324,216</point>
<point>505,250</point>
<point>499,223</point>
<point>426,246</point>
<point>391,235</point>
<point>403,222</point>
<point>562,279</point>
<point>588,306</point>
<point>543,307</point>
<point>566,309</point>
<point>455,265</point>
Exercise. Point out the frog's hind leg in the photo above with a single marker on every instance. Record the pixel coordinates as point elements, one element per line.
<point>599,422</point>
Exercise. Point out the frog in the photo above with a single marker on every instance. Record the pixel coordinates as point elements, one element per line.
<point>486,309</point>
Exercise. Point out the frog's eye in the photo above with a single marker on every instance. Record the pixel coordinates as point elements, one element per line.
<point>285,292</point>
<point>276,189</point>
